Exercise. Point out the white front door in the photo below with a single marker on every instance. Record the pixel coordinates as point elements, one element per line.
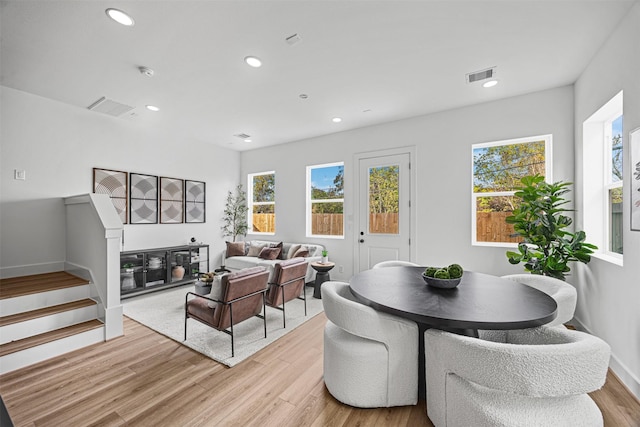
<point>384,218</point>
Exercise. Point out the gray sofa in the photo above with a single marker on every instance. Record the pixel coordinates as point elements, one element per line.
<point>250,259</point>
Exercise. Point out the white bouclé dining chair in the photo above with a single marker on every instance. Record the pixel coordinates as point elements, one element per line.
<point>395,263</point>
<point>534,377</point>
<point>563,293</point>
<point>370,357</point>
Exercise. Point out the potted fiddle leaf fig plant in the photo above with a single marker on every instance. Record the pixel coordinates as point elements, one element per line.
<point>548,246</point>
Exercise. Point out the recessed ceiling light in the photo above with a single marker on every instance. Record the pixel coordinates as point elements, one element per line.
<point>490,83</point>
<point>152,108</point>
<point>303,96</point>
<point>120,17</point>
<point>247,140</point>
<point>252,61</point>
<point>336,120</point>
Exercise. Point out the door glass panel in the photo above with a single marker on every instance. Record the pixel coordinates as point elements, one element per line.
<point>383,199</point>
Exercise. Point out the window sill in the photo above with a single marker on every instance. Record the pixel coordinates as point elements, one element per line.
<point>322,236</point>
<point>496,244</point>
<point>613,259</point>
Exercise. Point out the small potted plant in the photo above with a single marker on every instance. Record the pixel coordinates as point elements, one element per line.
<point>325,256</point>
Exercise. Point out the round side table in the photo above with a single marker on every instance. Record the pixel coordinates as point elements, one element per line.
<point>322,276</point>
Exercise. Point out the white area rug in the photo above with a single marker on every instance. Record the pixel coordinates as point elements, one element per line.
<point>164,312</point>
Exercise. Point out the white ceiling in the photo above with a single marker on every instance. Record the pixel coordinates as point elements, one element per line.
<point>368,62</point>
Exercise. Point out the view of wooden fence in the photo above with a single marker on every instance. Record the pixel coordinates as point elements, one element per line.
<point>327,224</point>
<point>331,224</point>
<point>492,227</point>
<point>264,223</point>
<point>383,223</point>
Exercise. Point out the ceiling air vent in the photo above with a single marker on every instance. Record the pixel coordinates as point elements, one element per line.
<point>481,75</point>
<point>242,136</point>
<point>110,107</point>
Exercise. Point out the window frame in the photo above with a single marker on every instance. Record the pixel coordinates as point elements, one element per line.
<point>597,177</point>
<point>548,163</point>
<point>251,203</point>
<point>609,184</point>
<point>309,202</point>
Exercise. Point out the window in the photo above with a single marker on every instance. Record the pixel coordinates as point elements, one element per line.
<point>325,200</point>
<point>602,178</point>
<point>262,202</point>
<point>497,168</point>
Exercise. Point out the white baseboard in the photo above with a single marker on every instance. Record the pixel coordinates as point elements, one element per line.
<point>26,270</point>
<point>620,369</point>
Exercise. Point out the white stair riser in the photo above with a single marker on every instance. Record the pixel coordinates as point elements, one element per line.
<point>24,303</point>
<point>44,324</point>
<point>27,357</point>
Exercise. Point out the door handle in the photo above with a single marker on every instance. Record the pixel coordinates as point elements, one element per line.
<point>361,240</point>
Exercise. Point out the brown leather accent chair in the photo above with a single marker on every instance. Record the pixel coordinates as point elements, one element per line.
<point>288,284</point>
<point>242,296</point>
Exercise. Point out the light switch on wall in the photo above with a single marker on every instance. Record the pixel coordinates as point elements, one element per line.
<point>20,174</point>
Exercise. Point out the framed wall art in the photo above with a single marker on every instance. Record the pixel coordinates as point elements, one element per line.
<point>195,199</point>
<point>143,199</point>
<point>634,143</point>
<point>114,184</point>
<point>171,200</point>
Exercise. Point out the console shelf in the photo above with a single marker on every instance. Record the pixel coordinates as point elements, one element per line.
<point>149,270</point>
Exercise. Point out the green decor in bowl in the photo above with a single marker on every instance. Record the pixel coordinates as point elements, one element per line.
<point>443,277</point>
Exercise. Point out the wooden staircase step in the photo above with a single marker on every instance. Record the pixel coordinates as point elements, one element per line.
<point>47,311</point>
<point>23,344</point>
<point>27,285</point>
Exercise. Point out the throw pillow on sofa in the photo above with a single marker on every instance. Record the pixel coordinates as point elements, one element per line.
<point>269,253</point>
<point>255,248</point>
<point>235,249</point>
<point>302,252</point>
<point>292,251</point>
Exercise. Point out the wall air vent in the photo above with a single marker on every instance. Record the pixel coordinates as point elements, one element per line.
<point>481,75</point>
<point>110,107</point>
<point>242,136</point>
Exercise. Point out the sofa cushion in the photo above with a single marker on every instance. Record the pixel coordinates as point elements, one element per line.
<point>270,253</point>
<point>235,249</point>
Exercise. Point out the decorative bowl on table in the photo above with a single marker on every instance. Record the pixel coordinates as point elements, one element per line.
<point>443,277</point>
<point>441,283</point>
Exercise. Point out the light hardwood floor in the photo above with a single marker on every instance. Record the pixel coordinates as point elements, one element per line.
<point>146,379</point>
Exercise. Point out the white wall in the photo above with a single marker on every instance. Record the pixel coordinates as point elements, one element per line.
<point>608,294</point>
<point>443,144</point>
<point>58,145</point>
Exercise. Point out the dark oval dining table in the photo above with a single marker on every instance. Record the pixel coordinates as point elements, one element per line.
<point>480,301</point>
